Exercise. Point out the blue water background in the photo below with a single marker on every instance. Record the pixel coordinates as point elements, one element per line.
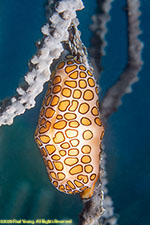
<point>127,138</point>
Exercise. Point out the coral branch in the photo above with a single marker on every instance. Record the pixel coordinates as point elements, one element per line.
<point>93,209</point>
<point>99,209</point>
<point>108,217</point>
<point>130,75</point>
<point>55,33</point>
<point>99,29</point>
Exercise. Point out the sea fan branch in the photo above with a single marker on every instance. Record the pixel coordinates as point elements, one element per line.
<point>99,31</point>
<point>49,48</point>
<point>92,213</point>
<point>113,97</point>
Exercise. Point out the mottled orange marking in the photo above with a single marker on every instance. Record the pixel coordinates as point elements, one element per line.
<point>82,83</point>
<point>91,82</point>
<point>69,192</point>
<point>49,164</point>
<point>56,80</point>
<point>78,183</point>
<point>83,74</point>
<point>73,152</point>
<point>61,187</point>
<point>83,188</point>
<point>97,121</point>
<point>48,100</point>
<point>49,112</point>
<point>60,125</point>
<point>55,100</point>
<point>96,90</point>
<point>70,62</point>
<point>53,175</point>
<point>70,116</point>
<point>55,183</point>
<point>59,137</point>
<point>67,187</point>
<point>84,178</point>
<point>88,95</point>
<point>76,191</point>
<point>87,135</point>
<point>63,105</point>
<point>55,157</point>
<point>59,117</point>
<point>65,145</point>
<point>88,168</point>
<point>62,152</point>
<point>94,111</point>
<point>51,149</point>
<point>84,108</point>
<point>70,133</point>
<point>43,152</point>
<point>85,121</point>
<point>42,121</point>
<point>45,128</point>
<point>76,61</point>
<point>71,84</point>
<point>70,184</point>
<point>77,93</point>
<point>61,65</point>
<point>74,142</point>
<point>61,176</point>
<point>56,89</point>
<point>89,73</point>
<point>86,159</point>
<point>66,92</point>
<point>74,75</point>
<point>74,124</point>
<point>76,169</point>
<point>70,161</point>
<point>73,106</point>
<point>82,67</point>
<point>93,176</point>
<point>69,69</point>
<point>59,166</point>
<point>86,149</point>
<point>38,141</point>
<point>44,138</point>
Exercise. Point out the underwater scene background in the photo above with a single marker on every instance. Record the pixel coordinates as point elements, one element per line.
<point>25,190</point>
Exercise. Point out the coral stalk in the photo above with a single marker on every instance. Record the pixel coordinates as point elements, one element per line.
<point>113,97</point>
<point>99,30</point>
<point>55,33</point>
<point>93,212</point>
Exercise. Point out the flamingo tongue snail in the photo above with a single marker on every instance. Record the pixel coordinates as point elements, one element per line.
<point>69,131</point>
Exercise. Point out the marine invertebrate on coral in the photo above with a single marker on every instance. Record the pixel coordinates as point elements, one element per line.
<point>69,131</point>
<point>40,73</point>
